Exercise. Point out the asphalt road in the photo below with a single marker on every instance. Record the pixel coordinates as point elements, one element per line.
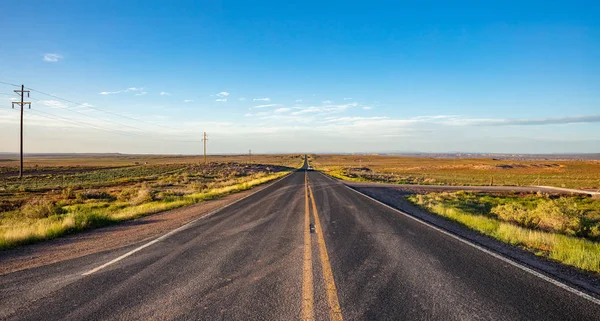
<point>258,260</point>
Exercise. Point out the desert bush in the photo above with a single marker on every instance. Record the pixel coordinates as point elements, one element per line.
<point>68,193</point>
<point>40,208</point>
<point>185,177</point>
<point>517,213</point>
<point>126,194</point>
<point>94,195</point>
<point>144,194</point>
<point>560,215</point>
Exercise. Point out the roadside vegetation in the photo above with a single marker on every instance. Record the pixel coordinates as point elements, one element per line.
<point>565,229</point>
<point>582,174</point>
<point>61,201</point>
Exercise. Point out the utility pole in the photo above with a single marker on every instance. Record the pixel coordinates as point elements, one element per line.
<point>21,103</point>
<point>250,154</point>
<point>204,140</point>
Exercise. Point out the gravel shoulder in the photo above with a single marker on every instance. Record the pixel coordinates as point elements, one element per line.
<point>110,237</point>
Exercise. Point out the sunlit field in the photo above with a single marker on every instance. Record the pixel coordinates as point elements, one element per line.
<point>584,174</point>
<point>60,195</point>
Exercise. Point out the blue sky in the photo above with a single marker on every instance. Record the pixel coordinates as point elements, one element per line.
<point>150,77</point>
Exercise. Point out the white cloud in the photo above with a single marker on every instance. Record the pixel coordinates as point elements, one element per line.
<point>242,98</point>
<point>54,103</point>
<point>52,57</point>
<point>298,100</point>
<point>130,89</point>
<point>268,105</point>
<point>188,101</point>
<point>87,105</point>
<point>326,102</point>
<point>221,100</point>
<point>164,93</point>
<point>323,109</point>
<point>347,98</point>
<point>351,119</point>
<point>223,94</point>
<point>367,107</point>
<point>261,99</point>
<point>141,93</point>
<point>281,110</point>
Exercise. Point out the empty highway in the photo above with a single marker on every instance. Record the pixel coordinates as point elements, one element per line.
<point>304,248</point>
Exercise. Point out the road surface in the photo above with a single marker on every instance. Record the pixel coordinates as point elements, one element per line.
<point>306,247</point>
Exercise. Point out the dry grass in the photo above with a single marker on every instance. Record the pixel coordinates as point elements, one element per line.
<point>59,201</point>
<point>80,217</point>
<point>479,212</point>
<point>464,172</point>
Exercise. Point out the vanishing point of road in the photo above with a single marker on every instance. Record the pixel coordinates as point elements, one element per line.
<point>304,248</point>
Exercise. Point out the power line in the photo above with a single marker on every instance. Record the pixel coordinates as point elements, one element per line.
<point>98,109</point>
<point>79,123</point>
<point>86,115</point>
<point>7,83</point>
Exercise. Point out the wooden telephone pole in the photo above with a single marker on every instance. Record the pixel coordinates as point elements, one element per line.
<point>21,103</point>
<point>204,140</point>
<point>250,154</point>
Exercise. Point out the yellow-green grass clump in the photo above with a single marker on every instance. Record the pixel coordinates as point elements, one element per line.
<point>564,229</point>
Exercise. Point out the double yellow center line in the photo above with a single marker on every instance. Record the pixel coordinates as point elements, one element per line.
<point>335,312</point>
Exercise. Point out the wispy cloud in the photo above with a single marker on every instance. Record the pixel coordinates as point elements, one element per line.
<point>267,105</point>
<point>54,103</point>
<point>242,98</point>
<point>366,107</point>
<point>188,101</point>
<point>326,102</point>
<point>348,98</point>
<point>223,94</point>
<point>261,99</point>
<point>323,109</point>
<point>164,93</point>
<point>298,100</point>
<point>52,57</point>
<point>141,93</point>
<point>221,100</point>
<point>281,110</point>
<point>534,121</point>
<point>130,89</point>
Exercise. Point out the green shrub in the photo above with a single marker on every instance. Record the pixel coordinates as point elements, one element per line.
<point>517,213</point>
<point>40,208</point>
<point>94,195</point>
<point>67,193</point>
<point>560,215</point>
<point>126,194</point>
<point>144,194</point>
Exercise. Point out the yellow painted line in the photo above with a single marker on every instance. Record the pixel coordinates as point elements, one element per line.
<point>308,311</point>
<point>332,298</point>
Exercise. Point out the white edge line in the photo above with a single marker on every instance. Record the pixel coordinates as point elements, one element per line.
<point>179,229</point>
<point>496,255</point>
